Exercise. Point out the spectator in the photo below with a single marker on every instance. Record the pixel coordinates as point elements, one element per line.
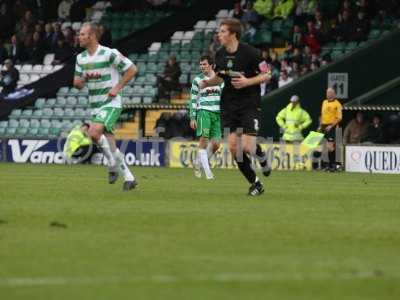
<point>361,27</point>
<point>347,6</point>
<point>312,42</point>
<point>345,27</point>
<point>9,78</point>
<point>69,35</point>
<point>7,19</point>
<point>19,9</point>
<point>298,38</point>
<point>303,11</point>
<point>355,130</point>
<point>284,79</point>
<point>62,52</point>
<point>297,56</point>
<point>292,120</point>
<point>48,36</point>
<point>322,27</point>
<point>215,45</point>
<point>250,16</point>
<point>64,9</point>
<point>169,81</point>
<point>105,36</point>
<point>16,50</point>
<point>36,52</point>
<point>3,52</point>
<point>295,73</point>
<point>374,132</point>
<point>56,35</point>
<point>39,29</point>
<point>237,11</point>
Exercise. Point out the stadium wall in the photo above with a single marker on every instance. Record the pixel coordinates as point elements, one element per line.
<point>353,75</point>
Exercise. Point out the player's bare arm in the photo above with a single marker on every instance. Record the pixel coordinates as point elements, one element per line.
<point>128,75</point>
<point>241,81</point>
<point>215,80</point>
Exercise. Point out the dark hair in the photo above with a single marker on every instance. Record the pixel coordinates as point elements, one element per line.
<point>208,58</point>
<point>234,26</point>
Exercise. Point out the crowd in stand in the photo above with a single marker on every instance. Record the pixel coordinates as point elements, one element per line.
<point>311,30</point>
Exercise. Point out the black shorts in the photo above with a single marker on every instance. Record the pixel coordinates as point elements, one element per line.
<point>244,120</point>
<point>329,135</point>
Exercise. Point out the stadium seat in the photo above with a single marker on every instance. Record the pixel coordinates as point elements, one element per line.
<point>13,123</point>
<point>16,113</point>
<point>61,101</point>
<point>69,113</point>
<point>27,113</point>
<point>48,60</point>
<point>72,101</point>
<point>27,68</point>
<point>200,25</point>
<point>37,69</point>
<point>37,114</point>
<point>83,101</point>
<point>50,102</point>
<point>35,123</point>
<point>63,91</point>
<point>58,113</point>
<point>48,113</point>
<point>33,132</point>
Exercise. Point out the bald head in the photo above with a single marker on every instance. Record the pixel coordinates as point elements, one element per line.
<point>330,93</point>
<point>88,35</point>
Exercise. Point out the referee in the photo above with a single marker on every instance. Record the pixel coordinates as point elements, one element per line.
<point>242,69</point>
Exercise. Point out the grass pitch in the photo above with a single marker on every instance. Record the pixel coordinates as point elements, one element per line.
<point>66,234</point>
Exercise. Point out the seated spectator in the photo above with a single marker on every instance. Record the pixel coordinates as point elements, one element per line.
<point>295,73</point>
<point>284,79</point>
<point>37,51</point>
<point>345,27</point>
<point>64,9</point>
<point>303,11</point>
<point>298,38</point>
<point>3,52</point>
<point>322,27</point>
<point>237,11</point>
<point>62,52</point>
<point>215,45</point>
<point>312,42</point>
<point>69,35</point>
<point>275,60</point>
<point>374,132</point>
<point>57,34</point>
<point>355,130</point>
<point>16,51</point>
<point>48,36</point>
<point>105,36</point>
<point>39,29</point>
<point>169,81</point>
<point>297,56</point>
<point>9,78</point>
<point>361,27</point>
<point>347,6</point>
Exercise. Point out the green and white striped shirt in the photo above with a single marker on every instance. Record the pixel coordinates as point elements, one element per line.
<point>206,99</point>
<point>110,63</point>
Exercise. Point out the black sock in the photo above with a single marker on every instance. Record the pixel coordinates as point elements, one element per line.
<point>332,159</point>
<point>245,167</point>
<point>262,158</point>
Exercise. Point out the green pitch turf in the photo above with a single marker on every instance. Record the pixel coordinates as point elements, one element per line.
<point>66,234</point>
